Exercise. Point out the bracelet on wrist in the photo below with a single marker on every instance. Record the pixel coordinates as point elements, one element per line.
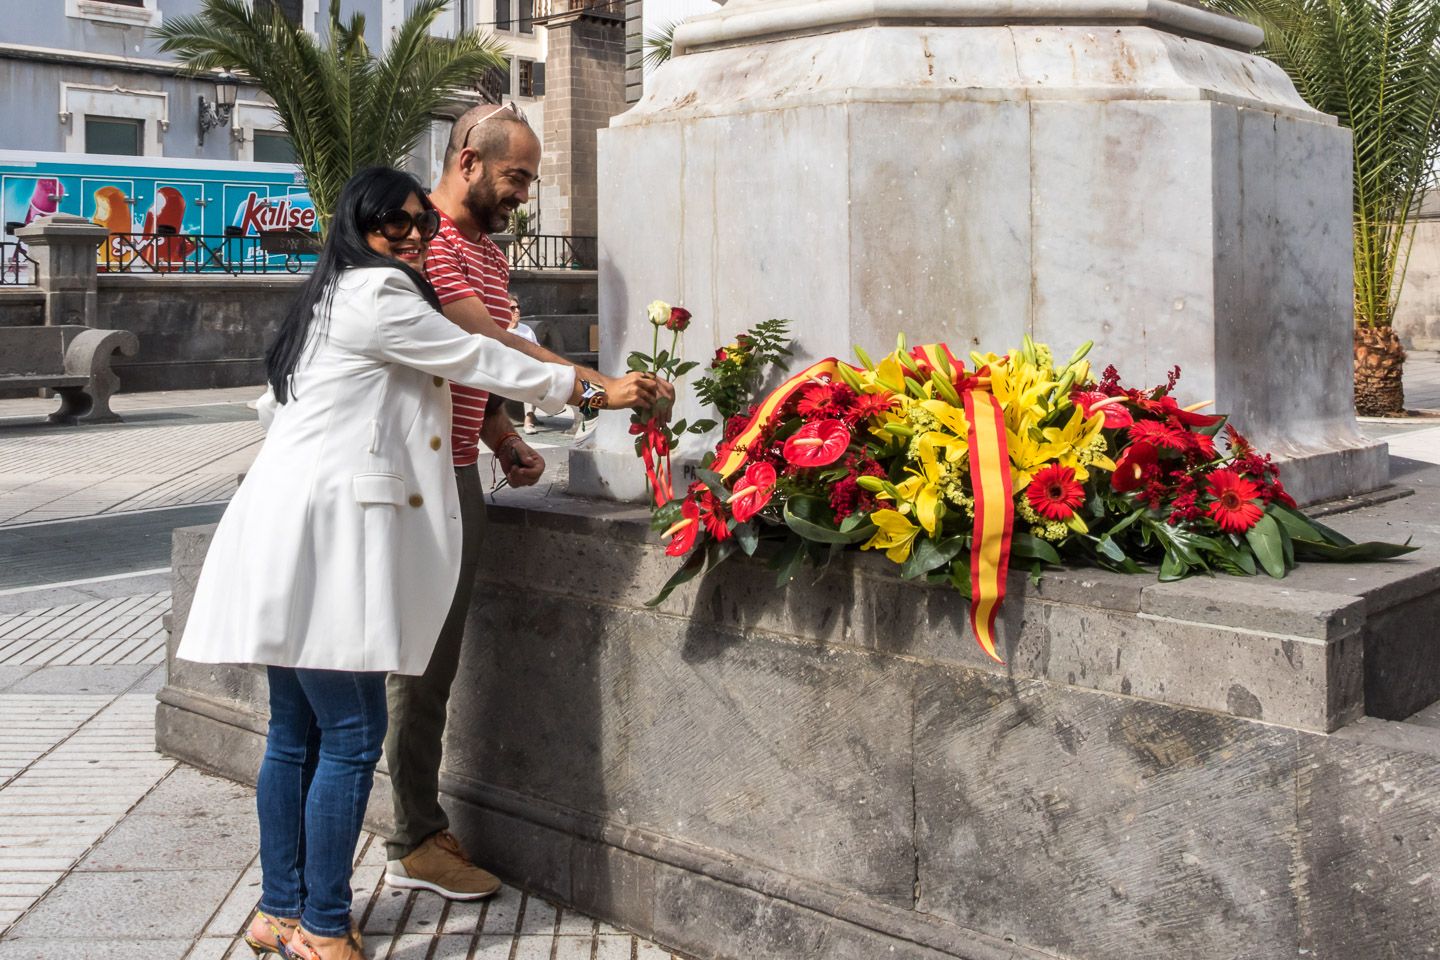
<point>505,440</point>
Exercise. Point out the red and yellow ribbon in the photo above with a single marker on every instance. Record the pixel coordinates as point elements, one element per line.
<point>989,474</point>
<point>994,514</point>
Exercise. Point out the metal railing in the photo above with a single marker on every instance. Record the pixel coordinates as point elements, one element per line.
<point>600,8</point>
<point>544,251</point>
<point>16,267</point>
<point>204,253</point>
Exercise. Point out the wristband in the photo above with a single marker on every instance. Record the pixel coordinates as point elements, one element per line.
<point>505,441</point>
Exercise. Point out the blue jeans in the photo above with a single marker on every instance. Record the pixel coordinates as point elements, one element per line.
<point>326,730</point>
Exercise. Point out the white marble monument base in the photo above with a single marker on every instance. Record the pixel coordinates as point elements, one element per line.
<point>1129,182</point>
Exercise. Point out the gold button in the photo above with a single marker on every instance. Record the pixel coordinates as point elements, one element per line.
<point>416,500</point>
<point>439,381</point>
<point>435,443</point>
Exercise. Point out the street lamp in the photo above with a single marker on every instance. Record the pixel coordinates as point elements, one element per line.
<point>217,114</point>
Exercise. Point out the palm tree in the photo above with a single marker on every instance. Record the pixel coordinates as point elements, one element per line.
<point>1374,64</point>
<point>344,108</point>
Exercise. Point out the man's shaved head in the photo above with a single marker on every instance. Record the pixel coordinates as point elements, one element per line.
<point>492,161</point>
<point>491,139</point>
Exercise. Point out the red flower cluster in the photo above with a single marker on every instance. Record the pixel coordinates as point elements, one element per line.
<point>846,496</point>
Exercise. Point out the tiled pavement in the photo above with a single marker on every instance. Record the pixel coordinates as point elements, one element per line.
<point>109,851</point>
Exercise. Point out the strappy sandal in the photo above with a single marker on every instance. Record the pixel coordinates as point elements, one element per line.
<point>299,946</point>
<point>278,928</point>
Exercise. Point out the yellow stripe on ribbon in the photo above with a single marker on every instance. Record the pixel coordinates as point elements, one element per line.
<point>740,446</point>
<point>994,514</point>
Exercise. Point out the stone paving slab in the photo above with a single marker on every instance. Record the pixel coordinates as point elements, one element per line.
<point>110,851</point>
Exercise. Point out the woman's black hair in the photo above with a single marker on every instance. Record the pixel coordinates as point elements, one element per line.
<point>364,197</point>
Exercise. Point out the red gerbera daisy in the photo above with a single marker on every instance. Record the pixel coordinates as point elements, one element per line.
<point>824,400</point>
<point>712,515</point>
<point>870,405</point>
<point>818,444</point>
<point>1234,509</point>
<point>1054,492</point>
<point>1163,435</point>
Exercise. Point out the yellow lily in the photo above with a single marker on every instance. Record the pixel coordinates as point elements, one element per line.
<point>894,534</point>
<point>1028,455</point>
<point>1075,443</point>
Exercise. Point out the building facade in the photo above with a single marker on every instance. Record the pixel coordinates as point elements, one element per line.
<point>85,80</point>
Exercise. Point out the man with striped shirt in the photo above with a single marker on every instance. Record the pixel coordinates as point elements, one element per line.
<point>490,165</point>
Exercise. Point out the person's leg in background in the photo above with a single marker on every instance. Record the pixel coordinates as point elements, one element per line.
<point>422,853</point>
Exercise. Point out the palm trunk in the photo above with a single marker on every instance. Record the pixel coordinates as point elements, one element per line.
<point>1379,366</point>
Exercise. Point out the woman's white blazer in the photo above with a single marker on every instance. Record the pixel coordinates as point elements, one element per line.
<point>341,549</point>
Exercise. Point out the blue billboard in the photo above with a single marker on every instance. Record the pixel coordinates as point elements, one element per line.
<point>159,212</point>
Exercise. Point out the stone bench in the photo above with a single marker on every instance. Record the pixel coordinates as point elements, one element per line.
<point>74,361</point>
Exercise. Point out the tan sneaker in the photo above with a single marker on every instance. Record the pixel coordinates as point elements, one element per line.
<point>439,865</point>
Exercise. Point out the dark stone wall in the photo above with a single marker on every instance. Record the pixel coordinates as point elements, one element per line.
<point>195,332</point>
<point>831,770</point>
<point>200,332</point>
<point>21,307</point>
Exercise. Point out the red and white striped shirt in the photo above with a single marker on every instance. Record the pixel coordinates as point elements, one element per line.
<point>460,268</point>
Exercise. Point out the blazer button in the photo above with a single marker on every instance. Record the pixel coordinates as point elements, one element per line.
<point>435,443</point>
<point>416,500</point>
<point>439,381</point>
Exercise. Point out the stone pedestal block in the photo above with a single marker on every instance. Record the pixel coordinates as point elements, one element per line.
<point>834,771</point>
<point>971,172</point>
<point>63,248</point>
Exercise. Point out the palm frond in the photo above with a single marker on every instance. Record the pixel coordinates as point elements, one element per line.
<point>343,108</point>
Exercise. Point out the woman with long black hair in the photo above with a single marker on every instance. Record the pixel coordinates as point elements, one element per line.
<point>336,560</point>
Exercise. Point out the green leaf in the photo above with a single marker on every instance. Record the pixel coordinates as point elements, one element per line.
<point>789,561</point>
<point>1028,547</point>
<point>1173,568</point>
<point>817,529</point>
<point>929,554</point>
<point>712,480</point>
<point>638,362</point>
<point>1266,539</point>
<point>702,426</point>
<point>1353,553</point>
<point>685,368</point>
<point>1302,527</point>
<point>748,537</point>
<point>687,572</point>
<point>1108,548</point>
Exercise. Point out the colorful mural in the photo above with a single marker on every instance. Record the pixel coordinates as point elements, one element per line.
<point>158,211</point>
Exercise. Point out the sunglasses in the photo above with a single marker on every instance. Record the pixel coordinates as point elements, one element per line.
<point>465,141</point>
<point>397,224</point>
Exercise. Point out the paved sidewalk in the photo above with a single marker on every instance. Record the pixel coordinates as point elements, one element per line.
<point>109,851</point>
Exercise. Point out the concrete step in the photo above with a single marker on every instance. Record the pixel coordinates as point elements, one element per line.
<point>1429,717</point>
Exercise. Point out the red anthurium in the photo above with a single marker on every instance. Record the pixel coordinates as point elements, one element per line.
<point>1130,468</point>
<point>1054,492</point>
<point>753,491</point>
<point>1166,406</point>
<point>679,319</point>
<point>1234,509</point>
<point>818,444</point>
<point>1093,401</point>
<point>685,530</point>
